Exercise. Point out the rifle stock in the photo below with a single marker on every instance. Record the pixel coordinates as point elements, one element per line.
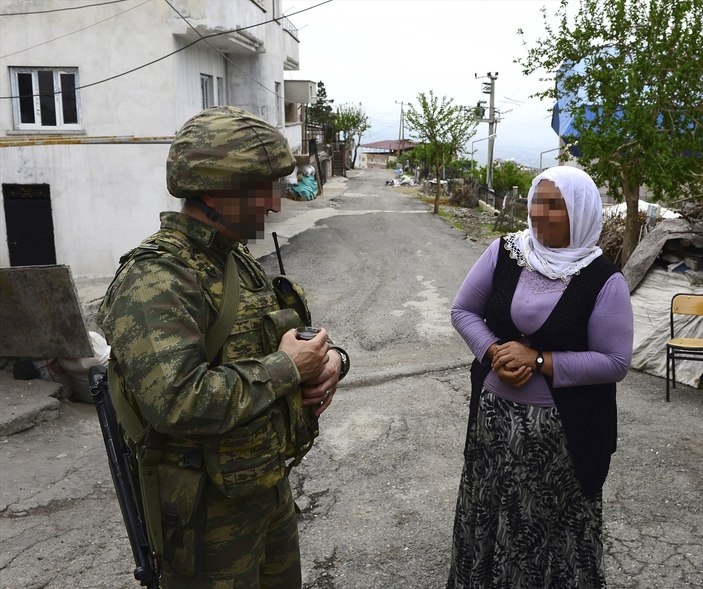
<point>126,488</point>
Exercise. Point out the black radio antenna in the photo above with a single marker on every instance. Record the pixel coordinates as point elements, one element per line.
<point>278,252</point>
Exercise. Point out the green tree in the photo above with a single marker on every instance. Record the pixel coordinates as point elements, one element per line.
<point>351,120</point>
<point>422,156</point>
<point>509,174</point>
<point>444,126</point>
<point>635,68</point>
<point>460,168</point>
<point>321,113</point>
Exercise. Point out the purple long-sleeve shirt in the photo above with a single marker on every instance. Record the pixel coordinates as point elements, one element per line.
<point>609,329</point>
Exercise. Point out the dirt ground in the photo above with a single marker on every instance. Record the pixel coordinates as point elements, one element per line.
<point>476,223</point>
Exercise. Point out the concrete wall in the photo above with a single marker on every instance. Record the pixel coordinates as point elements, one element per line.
<point>104,200</point>
<point>374,160</point>
<point>106,197</point>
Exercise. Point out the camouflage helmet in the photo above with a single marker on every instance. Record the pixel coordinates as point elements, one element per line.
<point>222,148</point>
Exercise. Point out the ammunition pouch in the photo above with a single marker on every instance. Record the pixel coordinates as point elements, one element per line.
<point>183,516</point>
<point>249,458</point>
<point>304,427</point>
<point>275,324</point>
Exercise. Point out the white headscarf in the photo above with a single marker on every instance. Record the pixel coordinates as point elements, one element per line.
<point>585,210</point>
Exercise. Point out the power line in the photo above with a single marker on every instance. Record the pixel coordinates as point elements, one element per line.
<point>152,62</point>
<point>74,32</point>
<point>61,9</point>
<point>384,127</point>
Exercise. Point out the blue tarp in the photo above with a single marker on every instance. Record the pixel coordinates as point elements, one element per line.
<point>306,188</point>
<point>562,120</point>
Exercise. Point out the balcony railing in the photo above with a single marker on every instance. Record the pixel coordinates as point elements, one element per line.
<point>288,26</point>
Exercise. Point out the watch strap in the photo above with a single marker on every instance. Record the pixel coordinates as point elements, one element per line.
<point>346,363</point>
<point>539,361</point>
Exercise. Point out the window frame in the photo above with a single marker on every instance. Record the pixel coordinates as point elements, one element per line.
<point>207,90</point>
<point>39,124</point>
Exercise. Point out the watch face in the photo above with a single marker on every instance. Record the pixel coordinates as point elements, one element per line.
<point>539,361</point>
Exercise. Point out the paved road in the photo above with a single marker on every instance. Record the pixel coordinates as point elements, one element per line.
<point>378,491</point>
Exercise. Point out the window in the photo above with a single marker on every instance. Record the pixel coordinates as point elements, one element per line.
<point>292,112</point>
<point>221,98</point>
<point>207,91</point>
<point>45,98</point>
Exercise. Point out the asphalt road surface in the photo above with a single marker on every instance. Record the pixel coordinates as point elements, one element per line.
<point>377,492</point>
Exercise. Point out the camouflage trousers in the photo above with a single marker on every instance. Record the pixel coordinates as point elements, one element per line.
<point>247,543</point>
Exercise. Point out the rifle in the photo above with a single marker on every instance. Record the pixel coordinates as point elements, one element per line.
<point>128,495</point>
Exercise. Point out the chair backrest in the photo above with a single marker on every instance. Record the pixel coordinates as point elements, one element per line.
<point>685,304</point>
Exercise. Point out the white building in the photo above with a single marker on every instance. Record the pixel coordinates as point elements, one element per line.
<point>90,97</point>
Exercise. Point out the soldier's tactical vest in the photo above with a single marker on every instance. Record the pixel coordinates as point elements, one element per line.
<point>257,454</point>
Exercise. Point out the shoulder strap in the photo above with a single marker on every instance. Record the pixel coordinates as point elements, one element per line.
<point>217,334</point>
<point>131,422</point>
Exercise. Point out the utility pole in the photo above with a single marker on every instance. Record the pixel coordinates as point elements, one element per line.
<point>401,127</point>
<point>490,88</point>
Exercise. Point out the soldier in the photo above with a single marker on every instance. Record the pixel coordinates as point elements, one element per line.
<point>219,434</point>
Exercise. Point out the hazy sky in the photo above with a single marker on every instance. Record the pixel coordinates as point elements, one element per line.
<point>379,52</point>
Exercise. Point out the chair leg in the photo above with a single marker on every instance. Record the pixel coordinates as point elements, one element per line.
<point>673,369</point>
<point>667,374</point>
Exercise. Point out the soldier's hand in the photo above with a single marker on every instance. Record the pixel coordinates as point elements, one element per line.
<point>319,391</point>
<point>309,356</point>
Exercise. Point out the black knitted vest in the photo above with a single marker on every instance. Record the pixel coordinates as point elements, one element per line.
<point>588,413</point>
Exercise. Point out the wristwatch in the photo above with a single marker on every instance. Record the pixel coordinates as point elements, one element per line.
<point>346,364</point>
<point>539,361</point>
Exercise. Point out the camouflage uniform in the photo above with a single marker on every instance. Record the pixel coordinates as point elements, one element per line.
<point>226,505</point>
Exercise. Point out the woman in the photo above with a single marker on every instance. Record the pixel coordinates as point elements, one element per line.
<point>549,321</point>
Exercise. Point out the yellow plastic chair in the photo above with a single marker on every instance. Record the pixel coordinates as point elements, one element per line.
<point>683,348</point>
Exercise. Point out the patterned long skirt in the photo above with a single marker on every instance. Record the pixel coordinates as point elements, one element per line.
<point>522,521</point>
